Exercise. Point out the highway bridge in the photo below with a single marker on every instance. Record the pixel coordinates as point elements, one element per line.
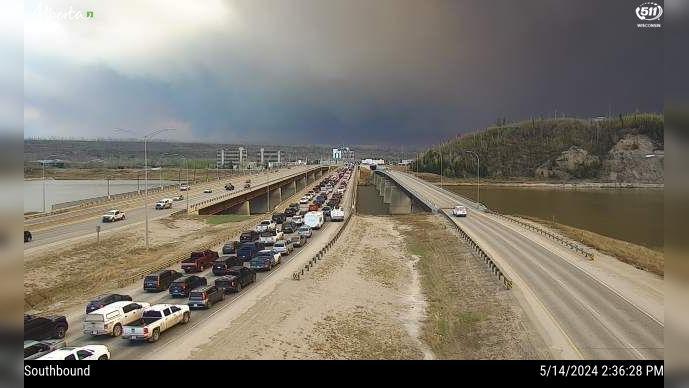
<point>583,310</point>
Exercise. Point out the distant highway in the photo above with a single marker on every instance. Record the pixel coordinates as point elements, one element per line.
<point>594,318</point>
<point>67,228</point>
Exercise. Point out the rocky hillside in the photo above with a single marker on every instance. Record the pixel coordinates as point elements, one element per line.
<point>624,149</point>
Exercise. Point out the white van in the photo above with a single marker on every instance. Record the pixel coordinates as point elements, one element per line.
<point>314,219</point>
<point>110,319</point>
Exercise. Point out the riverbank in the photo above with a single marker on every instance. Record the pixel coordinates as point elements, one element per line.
<point>626,252</point>
<point>533,183</point>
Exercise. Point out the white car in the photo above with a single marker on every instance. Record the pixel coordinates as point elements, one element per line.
<point>297,220</point>
<point>113,215</point>
<point>303,201</point>
<point>184,187</point>
<point>165,203</point>
<point>208,191</point>
<point>266,225</point>
<point>305,231</point>
<point>88,352</point>
<point>459,211</point>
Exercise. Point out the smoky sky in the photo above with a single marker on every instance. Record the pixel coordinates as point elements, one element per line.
<point>396,72</point>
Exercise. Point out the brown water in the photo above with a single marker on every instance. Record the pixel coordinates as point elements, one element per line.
<point>633,215</point>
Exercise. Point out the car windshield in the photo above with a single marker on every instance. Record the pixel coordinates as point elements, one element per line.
<point>113,212</point>
<point>266,222</point>
<point>196,295</point>
<point>304,229</point>
<point>268,234</point>
<point>279,245</point>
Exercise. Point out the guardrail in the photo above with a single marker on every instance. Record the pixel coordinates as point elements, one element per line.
<point>176,259</point>
<point>494,267</point>
<point>575,247</point>
<point>323,251</point>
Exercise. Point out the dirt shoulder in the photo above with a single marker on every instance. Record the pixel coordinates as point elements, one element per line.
<point>470,314</point>
<point>382,292</point>
<point>65,276</point>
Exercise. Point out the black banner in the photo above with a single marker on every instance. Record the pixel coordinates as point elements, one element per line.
<point>491,373</point>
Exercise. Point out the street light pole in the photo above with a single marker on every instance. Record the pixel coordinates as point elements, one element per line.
<point>146,137</point>
<point>478,179</point>
<point>43,166</point>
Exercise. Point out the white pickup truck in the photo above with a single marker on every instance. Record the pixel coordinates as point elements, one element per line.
<point>337,214</point>
<point>269,237</point>
<point>155,320</point>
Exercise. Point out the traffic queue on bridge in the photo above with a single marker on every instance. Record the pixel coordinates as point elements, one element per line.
<point>234,267</point>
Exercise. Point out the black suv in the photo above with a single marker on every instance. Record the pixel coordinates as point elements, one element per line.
<point>221,265</point>
<point>248,236</point>
<point>39,328</point>
<point>289,227</point>
<point>205,297</point>
<point>278,218</point>
<point>229,187</point>
<point>27,236</point>
<point>104,300</point>
<point>236,278</point>
<point>161,280</point>
<point>183,286</point>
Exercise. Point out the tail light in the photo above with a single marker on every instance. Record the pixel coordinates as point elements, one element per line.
<point>145,330</point>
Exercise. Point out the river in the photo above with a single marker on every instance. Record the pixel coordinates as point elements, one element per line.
<point>633,215</point>
<point>59,191</point>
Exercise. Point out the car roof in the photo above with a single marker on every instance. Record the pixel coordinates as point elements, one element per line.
<point>58,354</point>
<point>111,306</point>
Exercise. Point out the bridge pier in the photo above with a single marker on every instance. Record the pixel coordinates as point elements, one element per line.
<point>400,203</point>
<point>275,197</point>
<point>242,208</point>
<point>301,183</point>
<point>289,189</point>
<point>387,191</point>
<point>381,186</point>
<point>259,204</point>
<point>310,177</point>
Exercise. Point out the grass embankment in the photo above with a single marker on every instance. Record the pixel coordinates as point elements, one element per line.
<point>469,314</point>
<point>636,255</point>
<point>225,218</point>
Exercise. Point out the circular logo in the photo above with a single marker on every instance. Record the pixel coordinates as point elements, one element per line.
<point>649,11</point>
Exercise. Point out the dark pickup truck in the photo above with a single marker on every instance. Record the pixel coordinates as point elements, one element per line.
<point>39,328</point>
<point>248,250</point>
<point>278,218</point>
<point>198,261</point>
<point>235,279</point>
<point>221,265</point>
<point>248,236</point>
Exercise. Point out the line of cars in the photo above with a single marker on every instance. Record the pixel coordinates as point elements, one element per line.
<point>117,315</point>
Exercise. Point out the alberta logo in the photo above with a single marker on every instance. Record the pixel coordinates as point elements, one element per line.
<point>649,12</point>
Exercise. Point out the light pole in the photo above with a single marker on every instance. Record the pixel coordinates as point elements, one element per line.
<point>478,170</point>
<point>43,167</point>
<point>146,137</point>
<point>441,164</point>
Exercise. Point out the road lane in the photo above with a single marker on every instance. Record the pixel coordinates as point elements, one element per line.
<point>600,322</point>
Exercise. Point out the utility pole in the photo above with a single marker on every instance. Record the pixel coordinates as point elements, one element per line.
<point>478,179</point>
<point>43,167</point>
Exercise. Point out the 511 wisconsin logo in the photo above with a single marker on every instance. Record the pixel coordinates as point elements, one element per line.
<point>649,12</point>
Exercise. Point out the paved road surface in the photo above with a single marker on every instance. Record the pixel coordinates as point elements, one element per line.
<point>599,322</point>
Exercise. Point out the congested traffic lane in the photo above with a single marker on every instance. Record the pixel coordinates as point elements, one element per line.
<point>599,322</point>
<point>125,349</point>
<point>135,214</point>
